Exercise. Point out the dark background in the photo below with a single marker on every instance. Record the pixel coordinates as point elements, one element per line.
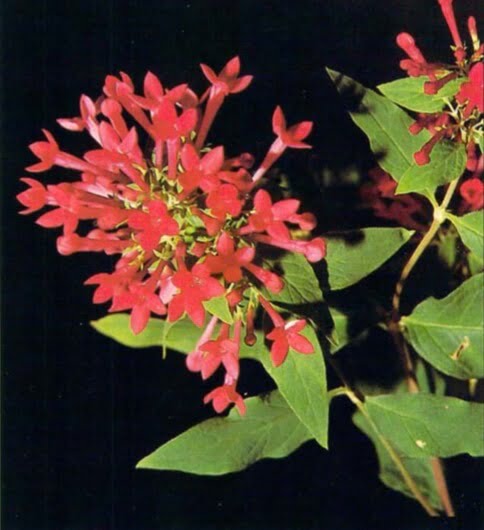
<point>78,410</point>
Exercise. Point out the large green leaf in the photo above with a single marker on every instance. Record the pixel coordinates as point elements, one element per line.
<point>353,255</point>
<point>409,93</point>
<point>471,230</point>
<point>301,379</point>
<point>419,468</point>
<point>448,333</point>
<point>385,124</point>
<point>180,336</point>
<point>301,285</point>
<point>224,445</point>
<point>419,425</point>
<point>447,162</point>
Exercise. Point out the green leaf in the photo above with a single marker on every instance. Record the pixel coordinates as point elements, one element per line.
<point>219,307</point>
<point>301,379</point>
<point>419,425</point>
<point>224,445</point>
<point>180,336</point>
<point>385,124</point>
<point>475,263</point>
<point>301,285</point>
<point>409,93</point>
<point>419,468</point>
<point>448,333</point>
<point>471,230</point>
<point>353,255</point>
<point>447,162</point>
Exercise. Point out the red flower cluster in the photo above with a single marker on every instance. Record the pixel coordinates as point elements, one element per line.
<point>411,210</point>
<point>186,220</point>
<point>462,121</point>
<point>407,210</point>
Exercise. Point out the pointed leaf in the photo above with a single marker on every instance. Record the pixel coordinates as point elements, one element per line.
<point>301,379</point>
<point>471,230</point>
<point>419,425</point>
<point>447,162</point>
<point>419,468</point>
<point>353,255</point>
<point>448,333</point>
<point>219,307</point>
<point>224,445</point>
<point>409,93</point>
<point>385,124</point>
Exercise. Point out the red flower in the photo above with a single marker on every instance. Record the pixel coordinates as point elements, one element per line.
<point>286,137</point>
<point>225,83</point>
<point>211,354</point>
<point>285,335</point>
<point>50,155</point>
<point>87,120</point>
<point>448,12</point>
<point>288,336</point>
<point>270,217</point>
<point>196,286</point>
<point>229,261</point>
<point>223,396</point>
<point>200,172</point>
<point>33,198</point>
<point>472,191</point>
<point>142,300</point>
<point>471,92</point>
<point>228,80</point>
<point>224,201</point>
<point>153,224</point>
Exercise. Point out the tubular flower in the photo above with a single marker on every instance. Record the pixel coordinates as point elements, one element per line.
<point>461,121</point>
<point>187,224</point>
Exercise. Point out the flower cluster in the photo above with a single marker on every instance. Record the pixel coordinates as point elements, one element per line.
<point>462,120</point>
<point>186,220</point>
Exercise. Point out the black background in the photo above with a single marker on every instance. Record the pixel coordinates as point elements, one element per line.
<point>78,410</point>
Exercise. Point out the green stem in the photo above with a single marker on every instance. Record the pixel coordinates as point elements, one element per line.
<point>440,215</point>
<point>439,218</point>
<point>411,484</point>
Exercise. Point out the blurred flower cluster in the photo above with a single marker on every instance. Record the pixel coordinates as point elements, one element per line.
<point>462,120</point>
